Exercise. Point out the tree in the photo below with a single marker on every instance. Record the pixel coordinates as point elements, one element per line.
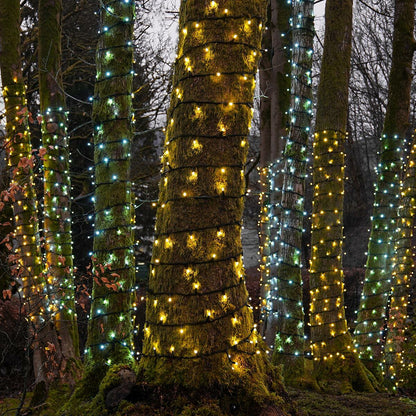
<point>274,106</point>
<point>378,281</point>
<point>110,329</point>
<point>393,359</point>
<point>57,187</point>
<point>27,267</point>
<point>199,337</point>
<point>288,306</point>
<point>336,365</point>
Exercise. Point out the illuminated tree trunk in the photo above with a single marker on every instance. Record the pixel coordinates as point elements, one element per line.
<point>265,75</point>
<point>288,305</point>
<point>110,328</point>
<point>199,334</point>
<point>27,257</point>
<point>403,266</point>
<point>378,280</point>
<point>57,186</point>
<point>278,97</point>
<point>336,366</point>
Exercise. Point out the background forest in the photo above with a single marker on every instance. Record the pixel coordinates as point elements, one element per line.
<point>100,147</point>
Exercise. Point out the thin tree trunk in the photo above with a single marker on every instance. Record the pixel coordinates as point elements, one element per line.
<point>288,299</point>
<point>336,366</point>
<point>271,178</point>
<point>27,257</point>
<point>57,187</point>
<point>265,74</point>
<point>403,266</point>
<point>371,317</point>
<point>110,328</point>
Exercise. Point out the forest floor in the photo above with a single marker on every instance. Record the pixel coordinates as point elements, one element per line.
<point>354,404</point>
<point>310,403</point>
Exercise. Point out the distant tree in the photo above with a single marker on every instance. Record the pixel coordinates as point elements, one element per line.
<point>371,317</point>
<point>336,366</point>
<point>199,335</point>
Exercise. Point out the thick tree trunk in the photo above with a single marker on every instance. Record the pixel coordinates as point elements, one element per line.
<point>288,299</point>
<point>110,328</point>
<point>57,187</point>
<point>27,257</point>
<point>336,366</point>
<point>199,333</point>
<point>371,317</point>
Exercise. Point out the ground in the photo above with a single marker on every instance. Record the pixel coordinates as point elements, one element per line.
<point>310,403</point>
<point>357,404</point>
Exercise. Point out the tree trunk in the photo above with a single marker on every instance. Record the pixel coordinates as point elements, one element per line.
<point>288,294</point>
<point>57,187</point>
<point>271,178</point>
<point>371,317</point>
<point>110,328</point>
<point>26,259</point>
<point>265,74</point>
<point>336,366</point>
<point>403,266</point>
<point>199,334</point>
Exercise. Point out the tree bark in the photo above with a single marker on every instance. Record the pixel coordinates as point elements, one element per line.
<point>336,366</point>
<point>371,317</point>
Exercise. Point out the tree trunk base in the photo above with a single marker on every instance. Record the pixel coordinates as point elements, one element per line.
<point>119,393</point>
<point>342,376</point>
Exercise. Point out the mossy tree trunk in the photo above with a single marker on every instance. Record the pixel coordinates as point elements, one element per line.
<point>278,96</point>
<point>288,305</point>
<point>57,187</point>
<point>199,333</point>
<point>110,327</point>
<point>403,266</point>
<point>371,317</point>
<point>26,258</point>
<point>336,366</point>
